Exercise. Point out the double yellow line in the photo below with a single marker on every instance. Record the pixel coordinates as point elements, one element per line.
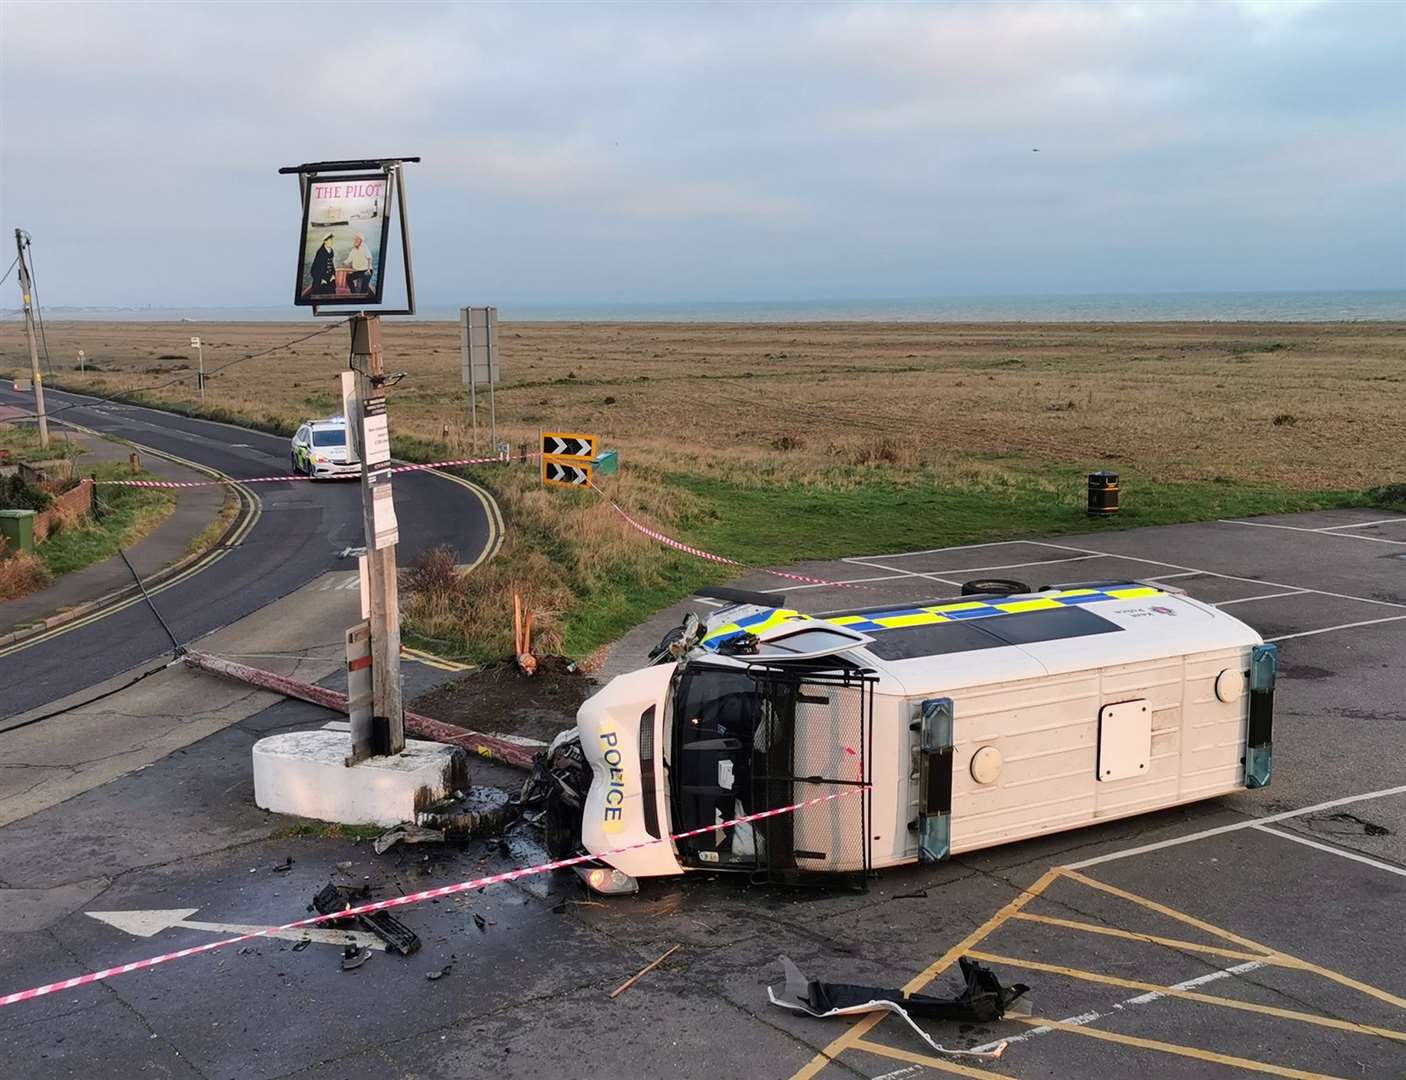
<point>252,510</point>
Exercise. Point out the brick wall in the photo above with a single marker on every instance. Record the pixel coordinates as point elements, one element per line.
<point>77,500</point>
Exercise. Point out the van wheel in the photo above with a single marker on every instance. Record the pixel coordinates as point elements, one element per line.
<point>993,587</point>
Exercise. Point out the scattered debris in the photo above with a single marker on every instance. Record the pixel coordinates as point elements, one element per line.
<point>353,958</point>
<point>480,922</point>
<point>642,972</point>
<point>286,864</point>
<point>983,999</point>
<point>300,946</point>
<point>410,834</point>
<point>435,976</point>
<point>398,937</point>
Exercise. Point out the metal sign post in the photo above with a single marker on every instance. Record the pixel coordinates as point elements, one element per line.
<point>478,329</point>
<point>80,360</point>
<point>200,371</point>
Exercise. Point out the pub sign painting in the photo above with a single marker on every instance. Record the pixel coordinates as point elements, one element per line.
<point>345,227</point>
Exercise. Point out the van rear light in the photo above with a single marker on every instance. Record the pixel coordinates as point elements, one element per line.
<point>1259,742</point>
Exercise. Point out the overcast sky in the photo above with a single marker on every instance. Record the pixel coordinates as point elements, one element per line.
<point>580,153</point>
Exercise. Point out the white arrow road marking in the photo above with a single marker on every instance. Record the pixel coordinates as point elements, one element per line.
<point>150,923</point>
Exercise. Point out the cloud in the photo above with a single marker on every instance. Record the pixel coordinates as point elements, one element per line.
<point>699,150</point>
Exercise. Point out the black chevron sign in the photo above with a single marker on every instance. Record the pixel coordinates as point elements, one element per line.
<point>562,444</point>
<point>565,474</point>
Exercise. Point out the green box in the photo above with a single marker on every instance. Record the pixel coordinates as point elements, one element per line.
<point>607,463</point>
<point>17,527</point>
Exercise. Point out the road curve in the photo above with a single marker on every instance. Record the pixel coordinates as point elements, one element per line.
<point>300,532</point>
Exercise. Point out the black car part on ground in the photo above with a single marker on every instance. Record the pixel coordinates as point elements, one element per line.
<point>398,937</point>
<point>983,999</point>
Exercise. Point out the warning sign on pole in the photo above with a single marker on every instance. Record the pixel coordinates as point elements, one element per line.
<point>376,437</point>
<point>387,530</point>
<point>567,457</point>
<point>568,445</point>
<point>566,474</point>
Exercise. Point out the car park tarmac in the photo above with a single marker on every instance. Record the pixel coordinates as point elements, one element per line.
<point>1253,934</point>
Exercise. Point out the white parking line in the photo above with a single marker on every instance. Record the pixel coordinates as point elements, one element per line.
<point>1141,999</point>
<point>1248,823</point>
<point>934,551</point>
<point>1316,532</point>
<point>910,573</point>
<point>1168,577</point>
<point>1306,842</point>
<point>1362,524</point>
<point>848,581</point>
<point>1344,626</point>
<point>1265,596</point>
<point>1216,573</point>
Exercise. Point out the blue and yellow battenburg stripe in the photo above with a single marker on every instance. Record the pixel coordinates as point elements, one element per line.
<point>952,611</point>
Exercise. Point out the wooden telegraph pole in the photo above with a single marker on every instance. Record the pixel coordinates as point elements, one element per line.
<point>372,441</point>
<point>25,292</point>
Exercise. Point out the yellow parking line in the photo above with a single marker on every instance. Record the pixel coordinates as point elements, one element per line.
<point>863,1026</point>
<point>1178,1050</point>
<point>1283,959</point>
<point>922,1059</point>
<point>431,660</point>
<point>1192,995</point>
<point>1129,935</point>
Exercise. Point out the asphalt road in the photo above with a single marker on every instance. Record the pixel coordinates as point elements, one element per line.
<point>1257,934</point>
<point>300,533</point>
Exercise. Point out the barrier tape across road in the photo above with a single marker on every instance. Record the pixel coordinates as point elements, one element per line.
<point>496,459</point>
<point>413,898</point>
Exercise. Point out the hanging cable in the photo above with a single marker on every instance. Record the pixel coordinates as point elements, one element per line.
<point>179,378</point>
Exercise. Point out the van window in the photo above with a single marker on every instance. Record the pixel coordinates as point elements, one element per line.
<point>329,437</point>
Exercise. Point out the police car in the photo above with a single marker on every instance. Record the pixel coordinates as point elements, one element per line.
<point>913,732</point>
<point>320,449</point>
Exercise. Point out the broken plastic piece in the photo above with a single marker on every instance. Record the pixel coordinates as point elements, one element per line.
<point>982,1000</point>
<point>435,976</point>
<point>398,937</point>
<point>353,958</point>
<point>411,834</point>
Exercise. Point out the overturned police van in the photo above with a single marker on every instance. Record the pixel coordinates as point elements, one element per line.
<point>934,728</point>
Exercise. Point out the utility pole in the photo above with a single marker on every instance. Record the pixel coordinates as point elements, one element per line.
<point>372,442</point>
<point>25,291</point>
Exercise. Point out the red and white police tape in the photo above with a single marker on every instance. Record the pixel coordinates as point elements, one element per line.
<point>413,898</point>
<point>668,541</point>
<point>496,459</point>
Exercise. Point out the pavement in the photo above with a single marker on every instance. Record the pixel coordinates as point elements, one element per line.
<point>1258,933</point>
<point>167,544</point>
<point>298,531</point>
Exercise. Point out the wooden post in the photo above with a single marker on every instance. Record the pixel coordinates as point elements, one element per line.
<point>386,709</point>
<point>26,289</point>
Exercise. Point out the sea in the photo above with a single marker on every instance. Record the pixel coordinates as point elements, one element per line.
<point>1350,305</point>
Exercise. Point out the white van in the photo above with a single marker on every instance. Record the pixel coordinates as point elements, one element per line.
<point>950,726</point>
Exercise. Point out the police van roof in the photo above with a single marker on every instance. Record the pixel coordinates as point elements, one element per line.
<point>330,421</point>
<point>977,640</point>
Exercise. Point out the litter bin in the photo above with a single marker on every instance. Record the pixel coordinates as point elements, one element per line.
<point>17,527</point>
<point>1103,493</point>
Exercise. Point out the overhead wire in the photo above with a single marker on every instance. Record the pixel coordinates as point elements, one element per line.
<point>180,378</point>
<point>13,264</point>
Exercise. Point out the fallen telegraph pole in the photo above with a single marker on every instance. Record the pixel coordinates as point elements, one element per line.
<point>503,751</point>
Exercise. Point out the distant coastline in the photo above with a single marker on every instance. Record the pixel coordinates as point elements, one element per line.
<point>1348,305</point>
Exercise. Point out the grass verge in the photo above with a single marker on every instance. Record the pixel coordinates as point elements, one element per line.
<point>124,516</point>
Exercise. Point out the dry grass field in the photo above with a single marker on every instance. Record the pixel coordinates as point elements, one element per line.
<point>770,442</point>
